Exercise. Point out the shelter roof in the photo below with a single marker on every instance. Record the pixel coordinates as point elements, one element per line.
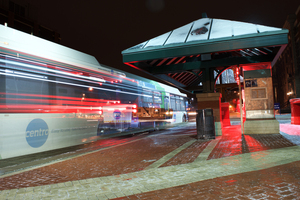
<point>205,43</point>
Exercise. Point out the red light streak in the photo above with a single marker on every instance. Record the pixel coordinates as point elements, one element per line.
<point>53,97</point>
<point>33,103</point>
<point>34,108</point>
<point>253,144</point>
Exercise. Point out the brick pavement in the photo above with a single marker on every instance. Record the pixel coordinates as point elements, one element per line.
<point>119,160</point>
<point>188,155</point>
<point>234,167</point>
<point>281,182</point>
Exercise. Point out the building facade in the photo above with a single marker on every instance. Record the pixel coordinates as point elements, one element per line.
<point>22,16</point>
<point>286,71</point>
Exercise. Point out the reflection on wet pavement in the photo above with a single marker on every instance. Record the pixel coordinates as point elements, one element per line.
<point>228,168</point>
<point>112,161</point>
<point>280,182</point>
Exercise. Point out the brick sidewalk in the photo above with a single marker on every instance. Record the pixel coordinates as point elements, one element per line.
<point>177,152</point>
<point>282,182</point>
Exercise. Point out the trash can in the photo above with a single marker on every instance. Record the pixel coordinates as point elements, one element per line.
<point>295,111</point>
<point>205,124</point>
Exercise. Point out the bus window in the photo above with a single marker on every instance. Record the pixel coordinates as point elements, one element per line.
<point>182,105</point>
<point>157,97</point>
<point>167,102</point>
<point>147,96</point>
<point>173,102</point>
<point>177,103</point>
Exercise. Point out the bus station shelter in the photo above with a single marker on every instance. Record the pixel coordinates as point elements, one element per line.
<point>193,56</point>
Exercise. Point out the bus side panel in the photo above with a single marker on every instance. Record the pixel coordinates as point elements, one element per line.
<point>36,133</point>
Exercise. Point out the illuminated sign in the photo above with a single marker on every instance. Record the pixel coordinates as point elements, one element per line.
<point>37,133</point>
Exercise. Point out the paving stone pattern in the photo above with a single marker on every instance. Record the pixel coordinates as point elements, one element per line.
<point>282,182</point>
<point>230,167</point>
<point>188,155</point>
<point>119,160</point>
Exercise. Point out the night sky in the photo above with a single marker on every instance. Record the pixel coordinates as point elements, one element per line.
<point>105,28</point>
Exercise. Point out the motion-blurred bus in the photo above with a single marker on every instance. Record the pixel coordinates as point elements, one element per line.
<point>52,97</point>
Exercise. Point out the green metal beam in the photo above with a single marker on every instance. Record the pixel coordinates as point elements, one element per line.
<point>209,64</point>
<point>195,74</point>
<point>208,46</point>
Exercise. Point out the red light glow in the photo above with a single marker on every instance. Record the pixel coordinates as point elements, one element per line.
<point>290,129</point>
<point>33,103</point>
<point>253,144</point>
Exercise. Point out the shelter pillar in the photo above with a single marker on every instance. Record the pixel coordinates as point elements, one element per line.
<point>213,101</point>
<point>259,100</point>
<point>208,80</point>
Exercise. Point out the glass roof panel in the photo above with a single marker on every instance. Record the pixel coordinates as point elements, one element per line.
<point>221,28</point>
<point>242,28</point>
<point>139,46</point>
<point>179,35</point>
<point>158,41</point>
<point>200,30</point>
<point>262,28</point>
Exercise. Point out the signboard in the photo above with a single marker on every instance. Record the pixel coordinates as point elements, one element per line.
<point>277,107</point>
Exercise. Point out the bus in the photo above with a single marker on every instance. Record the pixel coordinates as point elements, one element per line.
<point>53,97</point>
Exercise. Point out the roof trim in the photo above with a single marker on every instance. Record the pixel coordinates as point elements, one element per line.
<point>272,38</point>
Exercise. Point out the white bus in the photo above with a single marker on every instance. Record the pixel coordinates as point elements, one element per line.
<point>52,97</point>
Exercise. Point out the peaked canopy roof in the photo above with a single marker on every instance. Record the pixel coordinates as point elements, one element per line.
<point>205,43</point>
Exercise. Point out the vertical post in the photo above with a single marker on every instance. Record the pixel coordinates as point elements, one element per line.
<point>241,107</point>
<point>208,80</point>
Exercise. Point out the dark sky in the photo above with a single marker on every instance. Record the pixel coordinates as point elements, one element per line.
<point>104,28</point>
